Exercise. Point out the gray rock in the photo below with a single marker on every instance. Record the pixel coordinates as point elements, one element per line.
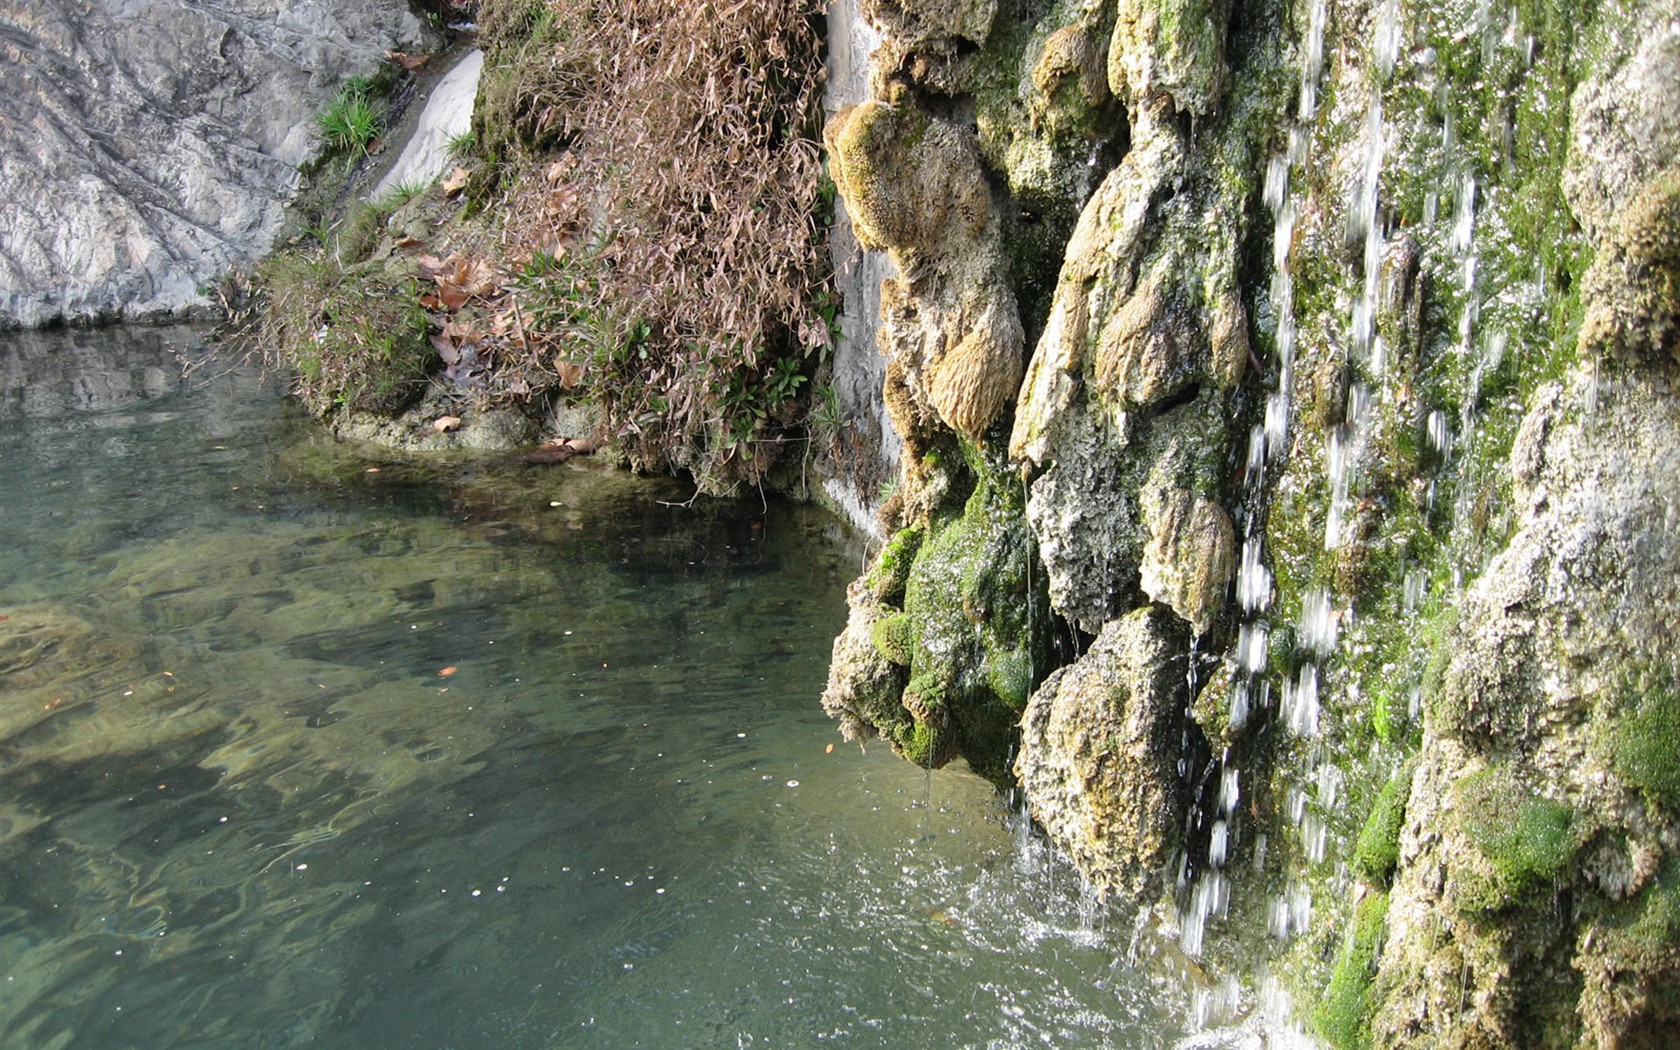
<point>1622,128</point>
<point>148,145</point>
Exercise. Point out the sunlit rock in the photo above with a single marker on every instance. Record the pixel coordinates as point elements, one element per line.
<point>1190,555</point>
<point>1100,746</point>
<point>144,155</point>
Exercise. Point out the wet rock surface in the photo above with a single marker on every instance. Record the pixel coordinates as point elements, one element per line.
<point>149,146</point>
<point>1099,754</point>
<point>1352,403</point>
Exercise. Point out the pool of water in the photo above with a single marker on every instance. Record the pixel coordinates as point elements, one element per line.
<point>305,744</point>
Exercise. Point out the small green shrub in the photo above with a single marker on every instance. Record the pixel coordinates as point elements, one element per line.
<point>355,337</point>
<point>461,145</point>
<point>403,192</point>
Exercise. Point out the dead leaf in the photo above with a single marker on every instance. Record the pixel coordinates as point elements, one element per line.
<point>462,331</point>
<point>571,374</point>
<point>455,181</point>
<point>445,424</point>
<point>453,296</point>
<point>447,671</point>
<point>412,63</point>
<point>446,348</point>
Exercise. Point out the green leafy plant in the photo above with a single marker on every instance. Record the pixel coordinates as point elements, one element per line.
<point>348,122</point>
<point>461,145</point>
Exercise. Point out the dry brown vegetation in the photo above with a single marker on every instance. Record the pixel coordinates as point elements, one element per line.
<point>650,175</point>
<point>661,198</point>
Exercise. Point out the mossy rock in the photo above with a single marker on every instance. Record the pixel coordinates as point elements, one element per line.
<point>886,579</point>
<point>1343,1016</point>
<point>1632,290</point>
<point>1525,841</point>
<point>894,638</point>
<point>1645,747</point>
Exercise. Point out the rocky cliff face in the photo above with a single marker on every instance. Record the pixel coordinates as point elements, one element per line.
<point>1305,548</point>
<point>147,146</point>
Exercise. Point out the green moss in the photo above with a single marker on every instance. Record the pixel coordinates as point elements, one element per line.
<point>1645,747</point>
<point>1009,673</point>
<point>1376,853</point>
<point>892,566</point>
<point>1343,1016</point>
<point>923,745</point>
<point>1651,921</point>
<point>894,638</point>
<point>1526,839</point>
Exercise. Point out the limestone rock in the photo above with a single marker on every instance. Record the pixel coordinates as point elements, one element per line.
<point>1142,354</point>
<point>1100,745</point>
<point>972,384</point>
<point>1622,127</point>
<point>910,182</point>
<point>1561,640</point>
<point>863,685</point>
<point>1171,47</point>
<point>1631,293</point>
<point>914,187</point>
<point>1128,383</point>
<point>1191,553</point>
<point>920,21</point>
<point>148,146</point>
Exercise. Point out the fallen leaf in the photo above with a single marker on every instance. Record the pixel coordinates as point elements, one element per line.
<point>447,671</point>
<point>453,296</point>
<point>445,348</point>
<point>829,750</point>
<point>370,470</point>
<point>445,424</point>
<point>455,181</point>
<point>412,63</point>
<point>571,374</point>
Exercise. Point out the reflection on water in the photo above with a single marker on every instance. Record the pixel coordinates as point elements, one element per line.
<point>296,753</point>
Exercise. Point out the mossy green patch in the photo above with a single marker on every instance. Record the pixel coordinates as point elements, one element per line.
<point>894,637</point>
<point>1645,746</point>
<point>1376,853</point>
<point>1526,839</point>
<point>979,622</point>
<point>1343,1016</point>
<point>886,579</point>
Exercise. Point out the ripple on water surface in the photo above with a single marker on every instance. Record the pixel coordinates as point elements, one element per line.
<point>462,755</point>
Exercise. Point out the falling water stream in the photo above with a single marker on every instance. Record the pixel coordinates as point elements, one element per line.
<point>306,745</point>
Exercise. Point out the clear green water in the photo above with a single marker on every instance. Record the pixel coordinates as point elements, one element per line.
<point>241,805</point>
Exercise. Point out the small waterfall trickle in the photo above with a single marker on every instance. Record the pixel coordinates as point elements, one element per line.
<point>1208,894</point>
